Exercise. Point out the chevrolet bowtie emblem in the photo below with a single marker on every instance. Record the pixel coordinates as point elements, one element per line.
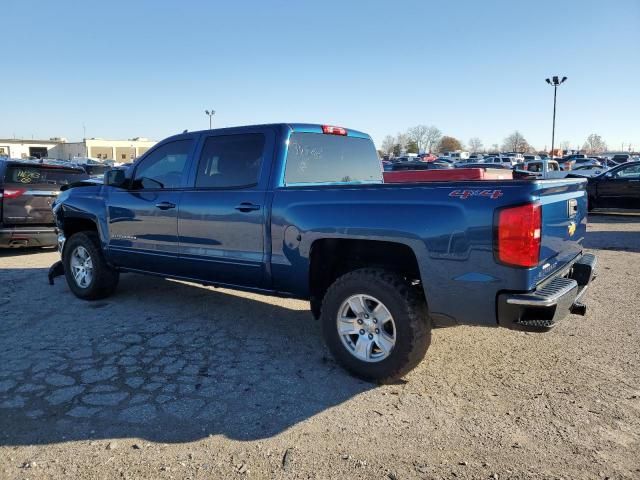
<point>572,228</point>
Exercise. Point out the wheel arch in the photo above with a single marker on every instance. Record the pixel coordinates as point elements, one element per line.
<point>331,258</point>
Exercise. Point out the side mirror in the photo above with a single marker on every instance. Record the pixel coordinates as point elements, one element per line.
<point>115,177</point>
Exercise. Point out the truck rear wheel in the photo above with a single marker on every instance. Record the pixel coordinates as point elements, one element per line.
<point>88,275</point>
<point>375,324</point>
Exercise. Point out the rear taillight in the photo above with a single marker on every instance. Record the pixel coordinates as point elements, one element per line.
<point>331,130</point>
<point>12,192</point>
<point>518,235</point>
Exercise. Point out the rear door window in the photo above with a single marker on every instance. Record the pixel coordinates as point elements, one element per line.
<point>231,161</point>
<point>319,158</point>
<point>23,175</point>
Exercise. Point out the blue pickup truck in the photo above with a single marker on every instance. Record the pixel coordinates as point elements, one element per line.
<point>301,210</point>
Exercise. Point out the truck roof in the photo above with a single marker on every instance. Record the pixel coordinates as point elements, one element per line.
<point>294,127</point>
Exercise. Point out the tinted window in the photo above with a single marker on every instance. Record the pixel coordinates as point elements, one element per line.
<point>231,161</point>
<point>165,166</point>
<point>535,167</point>
<point>318,158</point>
<point>34,175</point>
<point>632,171</point>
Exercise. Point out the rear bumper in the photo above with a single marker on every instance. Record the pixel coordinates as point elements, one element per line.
<point>542,308</point>
<point>28,237</point>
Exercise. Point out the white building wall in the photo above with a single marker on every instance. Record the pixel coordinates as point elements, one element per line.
<point>17,149</point>
<point>66,151</point>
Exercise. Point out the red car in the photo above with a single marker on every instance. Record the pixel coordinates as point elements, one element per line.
<point>428,157</point>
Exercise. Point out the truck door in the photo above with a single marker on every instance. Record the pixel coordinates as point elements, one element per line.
<point>221,223</point>
<point>143,219</point>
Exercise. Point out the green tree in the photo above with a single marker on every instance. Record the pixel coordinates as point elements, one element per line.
<point>412,147</point>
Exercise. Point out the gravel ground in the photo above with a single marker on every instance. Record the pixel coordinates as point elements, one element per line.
<point>172,380</point>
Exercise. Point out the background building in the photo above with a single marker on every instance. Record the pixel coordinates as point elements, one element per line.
<point>117,150</point>
<point>21,148</point>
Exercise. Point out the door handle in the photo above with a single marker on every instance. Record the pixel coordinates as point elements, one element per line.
<point>165,205</point>
<point>247,207</point>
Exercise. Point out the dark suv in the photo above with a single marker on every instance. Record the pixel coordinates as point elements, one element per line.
<point>27,190</point>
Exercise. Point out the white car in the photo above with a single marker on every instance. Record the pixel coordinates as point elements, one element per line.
<point>544,168</point>
<point>511,161</point>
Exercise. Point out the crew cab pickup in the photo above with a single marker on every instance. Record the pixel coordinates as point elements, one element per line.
<point>302,211</point>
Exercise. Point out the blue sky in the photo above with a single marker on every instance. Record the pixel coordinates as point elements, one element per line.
<point>472,68</point>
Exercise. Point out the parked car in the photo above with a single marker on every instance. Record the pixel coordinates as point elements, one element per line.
<point>588,170</point>
<point>27,191</point>
<point>543,168</point>
<point>621,158</point>
<point>531,158</point>
<point>484,165</point>
<point>301,211</point>
<point>476,157</point>
<point>515,156</point>
<point>427,157</point>
<point>566,164</point>
<point>618,187</point>
<point>445,160</point>
<point>510,162</point>
<point>419,166</point>
<point>589,162</point>
<point>457,156</point>
<point>92,166</point>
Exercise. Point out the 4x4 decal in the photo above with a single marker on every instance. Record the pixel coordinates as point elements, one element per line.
<point>464,194</point>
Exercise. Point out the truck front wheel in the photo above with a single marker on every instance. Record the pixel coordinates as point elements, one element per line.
<point>375,324</point>
<point>88,275</point>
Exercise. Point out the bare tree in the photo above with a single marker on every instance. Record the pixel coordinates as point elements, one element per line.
<point>432,138</point>
<point>495,147</point>
<point>594,144</point>
<point>566,145</point>
<point>402,140</point>
<point>418,135</point>
<point>387,144</point>
<point>475,144</point>
<point>515,143</point>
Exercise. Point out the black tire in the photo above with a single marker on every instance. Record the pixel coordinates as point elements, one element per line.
<point>408,308</point>
<point>591,203</point>
<point>105,279</point>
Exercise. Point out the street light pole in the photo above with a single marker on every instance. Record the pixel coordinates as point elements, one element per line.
<point>555,82</point>
<point>211,113</point>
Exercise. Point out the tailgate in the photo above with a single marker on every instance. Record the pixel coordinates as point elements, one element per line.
<point>29,191</point>
<point>564,222</point>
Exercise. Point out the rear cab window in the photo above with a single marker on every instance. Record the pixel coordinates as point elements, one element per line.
<point>42,175</point>
<point>316,158</point>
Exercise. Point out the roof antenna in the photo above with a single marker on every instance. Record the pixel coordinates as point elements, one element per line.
<point>185,131</point>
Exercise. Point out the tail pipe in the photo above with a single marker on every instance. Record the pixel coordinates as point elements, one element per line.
<point>578,309</point>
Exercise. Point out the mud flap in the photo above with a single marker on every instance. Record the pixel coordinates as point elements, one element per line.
<point>56,270</point>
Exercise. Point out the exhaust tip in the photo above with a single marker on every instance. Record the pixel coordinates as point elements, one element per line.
<point>578,309</point>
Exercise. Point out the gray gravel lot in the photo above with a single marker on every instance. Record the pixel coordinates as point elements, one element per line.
<point>173,380</point>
